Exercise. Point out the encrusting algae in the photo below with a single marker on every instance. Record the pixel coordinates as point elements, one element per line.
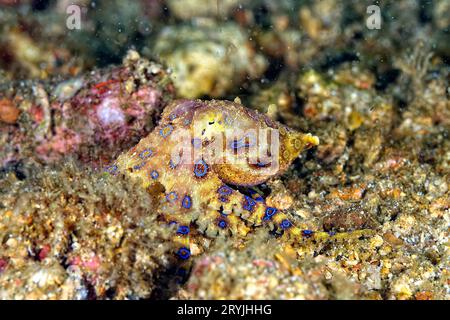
<point>71,233</point>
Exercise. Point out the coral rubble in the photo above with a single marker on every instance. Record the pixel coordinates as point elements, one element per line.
<point>195,205</point>
<point>208,59</point>
<point>70,233</point>
<point>92,117</point>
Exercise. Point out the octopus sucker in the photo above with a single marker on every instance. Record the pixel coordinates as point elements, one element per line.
<point>201,153</point>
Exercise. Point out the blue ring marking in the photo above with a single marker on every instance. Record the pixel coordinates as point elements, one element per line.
<point>173,116</point>
<point>184,253</point>
<point>332,233</point>
<point>225,190</point>
<point>154,174</point>
<point>237,144</point>
<point>181,272</point>
<point>145,154</point>
<point>183,230</point>
<point>187,202</point>
<point>286,224</point>
<point>259,199</point>
<point>139,166</point>
<point>222,224</point>
<point>196,142</point>
<point>250,203</point>
<point>163,130</point>
<point>270,212</point>
<point>172,196</point>
<point>307,233</point>
<point>112,169</point>
<point>198,171</point>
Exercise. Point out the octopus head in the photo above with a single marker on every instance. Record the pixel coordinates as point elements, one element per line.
<point>252,147</point>
<point>242,146</point>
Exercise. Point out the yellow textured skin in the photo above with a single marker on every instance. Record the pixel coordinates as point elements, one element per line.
<point>194,183</point>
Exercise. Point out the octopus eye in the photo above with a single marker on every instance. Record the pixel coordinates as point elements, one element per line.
<point>260,165</point>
